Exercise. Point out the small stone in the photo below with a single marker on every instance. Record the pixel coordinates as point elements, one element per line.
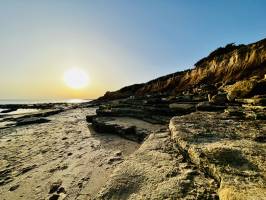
<point>80,184</point>
<point>114,159</point>
<point>54,197</point>
<point>26,169</point>
<point>118,153</point>
<point>55,186</point>
<point>61,190</point>
<point>14,187</point>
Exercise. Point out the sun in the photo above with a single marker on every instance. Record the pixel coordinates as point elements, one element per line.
<point>76,78</point>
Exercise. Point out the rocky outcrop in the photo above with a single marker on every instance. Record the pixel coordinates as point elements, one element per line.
<point>31,120</point>
<point>155,109</point>
<point>158,171</point>
<point>129,128</point>
<point>40,116</point>
<point>251,108</point>
<point>230,150</point>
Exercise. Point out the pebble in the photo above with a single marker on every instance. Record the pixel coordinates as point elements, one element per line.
<point>14,187</point>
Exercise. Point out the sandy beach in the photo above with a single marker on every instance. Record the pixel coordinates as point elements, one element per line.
<point>62,159</point>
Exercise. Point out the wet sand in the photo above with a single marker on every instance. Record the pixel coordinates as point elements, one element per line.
<point>62,159</point>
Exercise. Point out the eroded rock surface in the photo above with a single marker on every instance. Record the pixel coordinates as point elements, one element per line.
<point>158,171</point>
<point>233,151</point>
<point>130,128</point>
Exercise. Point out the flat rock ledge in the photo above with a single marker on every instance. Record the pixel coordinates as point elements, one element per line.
<point>158,171</point>
<point>232,151</point>
<point>129,128</point>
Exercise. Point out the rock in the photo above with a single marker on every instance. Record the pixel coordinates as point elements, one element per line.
<point>208,88</point>
<point>31,120</point>
<point>8,110</point>
<point>219,99</point>
<point>14,187</point>
<point>151,109</point>
<point>182,108</point>
<point>89,118</point>
<point>26,169</point>
<point>108,125</point>
<point>5,176</point>
<point>240,89</point>
<point>55,186</point>
<point>61,190</point>
<point>260,138</point>
<point>206,106</point>
<point>154,172</point>
<point>54,197</point>
<point>229,150</point>
<point>58,168</point>
<point>184,98</point>
<point>256,115</point>
<point>114,159</point>
<point>234,111</point>
<point>118,153</point>
<point>253,101</point>
<point>251,107</point>
<point>198,98</point>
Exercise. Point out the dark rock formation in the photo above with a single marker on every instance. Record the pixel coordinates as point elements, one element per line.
<point>32,120</point>
<point>129,128</point>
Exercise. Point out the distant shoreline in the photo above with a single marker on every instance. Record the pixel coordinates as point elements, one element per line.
<point>43,101</point>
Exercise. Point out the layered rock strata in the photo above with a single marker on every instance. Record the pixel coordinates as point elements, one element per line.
<point>230,150</point>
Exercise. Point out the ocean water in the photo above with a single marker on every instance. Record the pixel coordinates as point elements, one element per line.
<point>15,101</point>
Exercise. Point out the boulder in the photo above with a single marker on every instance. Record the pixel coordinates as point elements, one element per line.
<point>242,89</point>
<point>89,118</point>
<point>219,99</point>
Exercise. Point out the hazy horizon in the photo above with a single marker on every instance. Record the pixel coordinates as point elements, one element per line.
<point>112,43</point>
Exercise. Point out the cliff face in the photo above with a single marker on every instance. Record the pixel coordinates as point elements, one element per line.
<point>216,143</point>
<point>224,66</point>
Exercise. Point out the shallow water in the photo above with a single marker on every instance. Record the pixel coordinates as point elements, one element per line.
<point>17,101</point>
<point>2,110</point>
<point>22,111</point>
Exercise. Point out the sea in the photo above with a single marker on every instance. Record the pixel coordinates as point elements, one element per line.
<point>26,101</point>
<point>23,101</point>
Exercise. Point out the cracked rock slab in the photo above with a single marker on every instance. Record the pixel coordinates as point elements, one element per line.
<point>157,171</point>
<point>227,149</point>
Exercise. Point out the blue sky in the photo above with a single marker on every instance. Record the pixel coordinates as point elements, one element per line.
<point>118,42</point>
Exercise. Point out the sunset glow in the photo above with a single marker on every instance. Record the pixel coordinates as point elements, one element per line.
<point>76,78</point>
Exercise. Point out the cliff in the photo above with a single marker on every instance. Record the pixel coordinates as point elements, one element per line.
<point>224,66</point>
<point>208,130</point>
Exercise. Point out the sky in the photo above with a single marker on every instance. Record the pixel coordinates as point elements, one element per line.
<point>115,42</point>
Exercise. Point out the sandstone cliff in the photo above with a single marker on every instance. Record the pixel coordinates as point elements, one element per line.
<point>214,146</point>
<point>224,66</point>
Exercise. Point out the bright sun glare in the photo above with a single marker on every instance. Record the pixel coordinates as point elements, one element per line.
<point>76,78</point>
